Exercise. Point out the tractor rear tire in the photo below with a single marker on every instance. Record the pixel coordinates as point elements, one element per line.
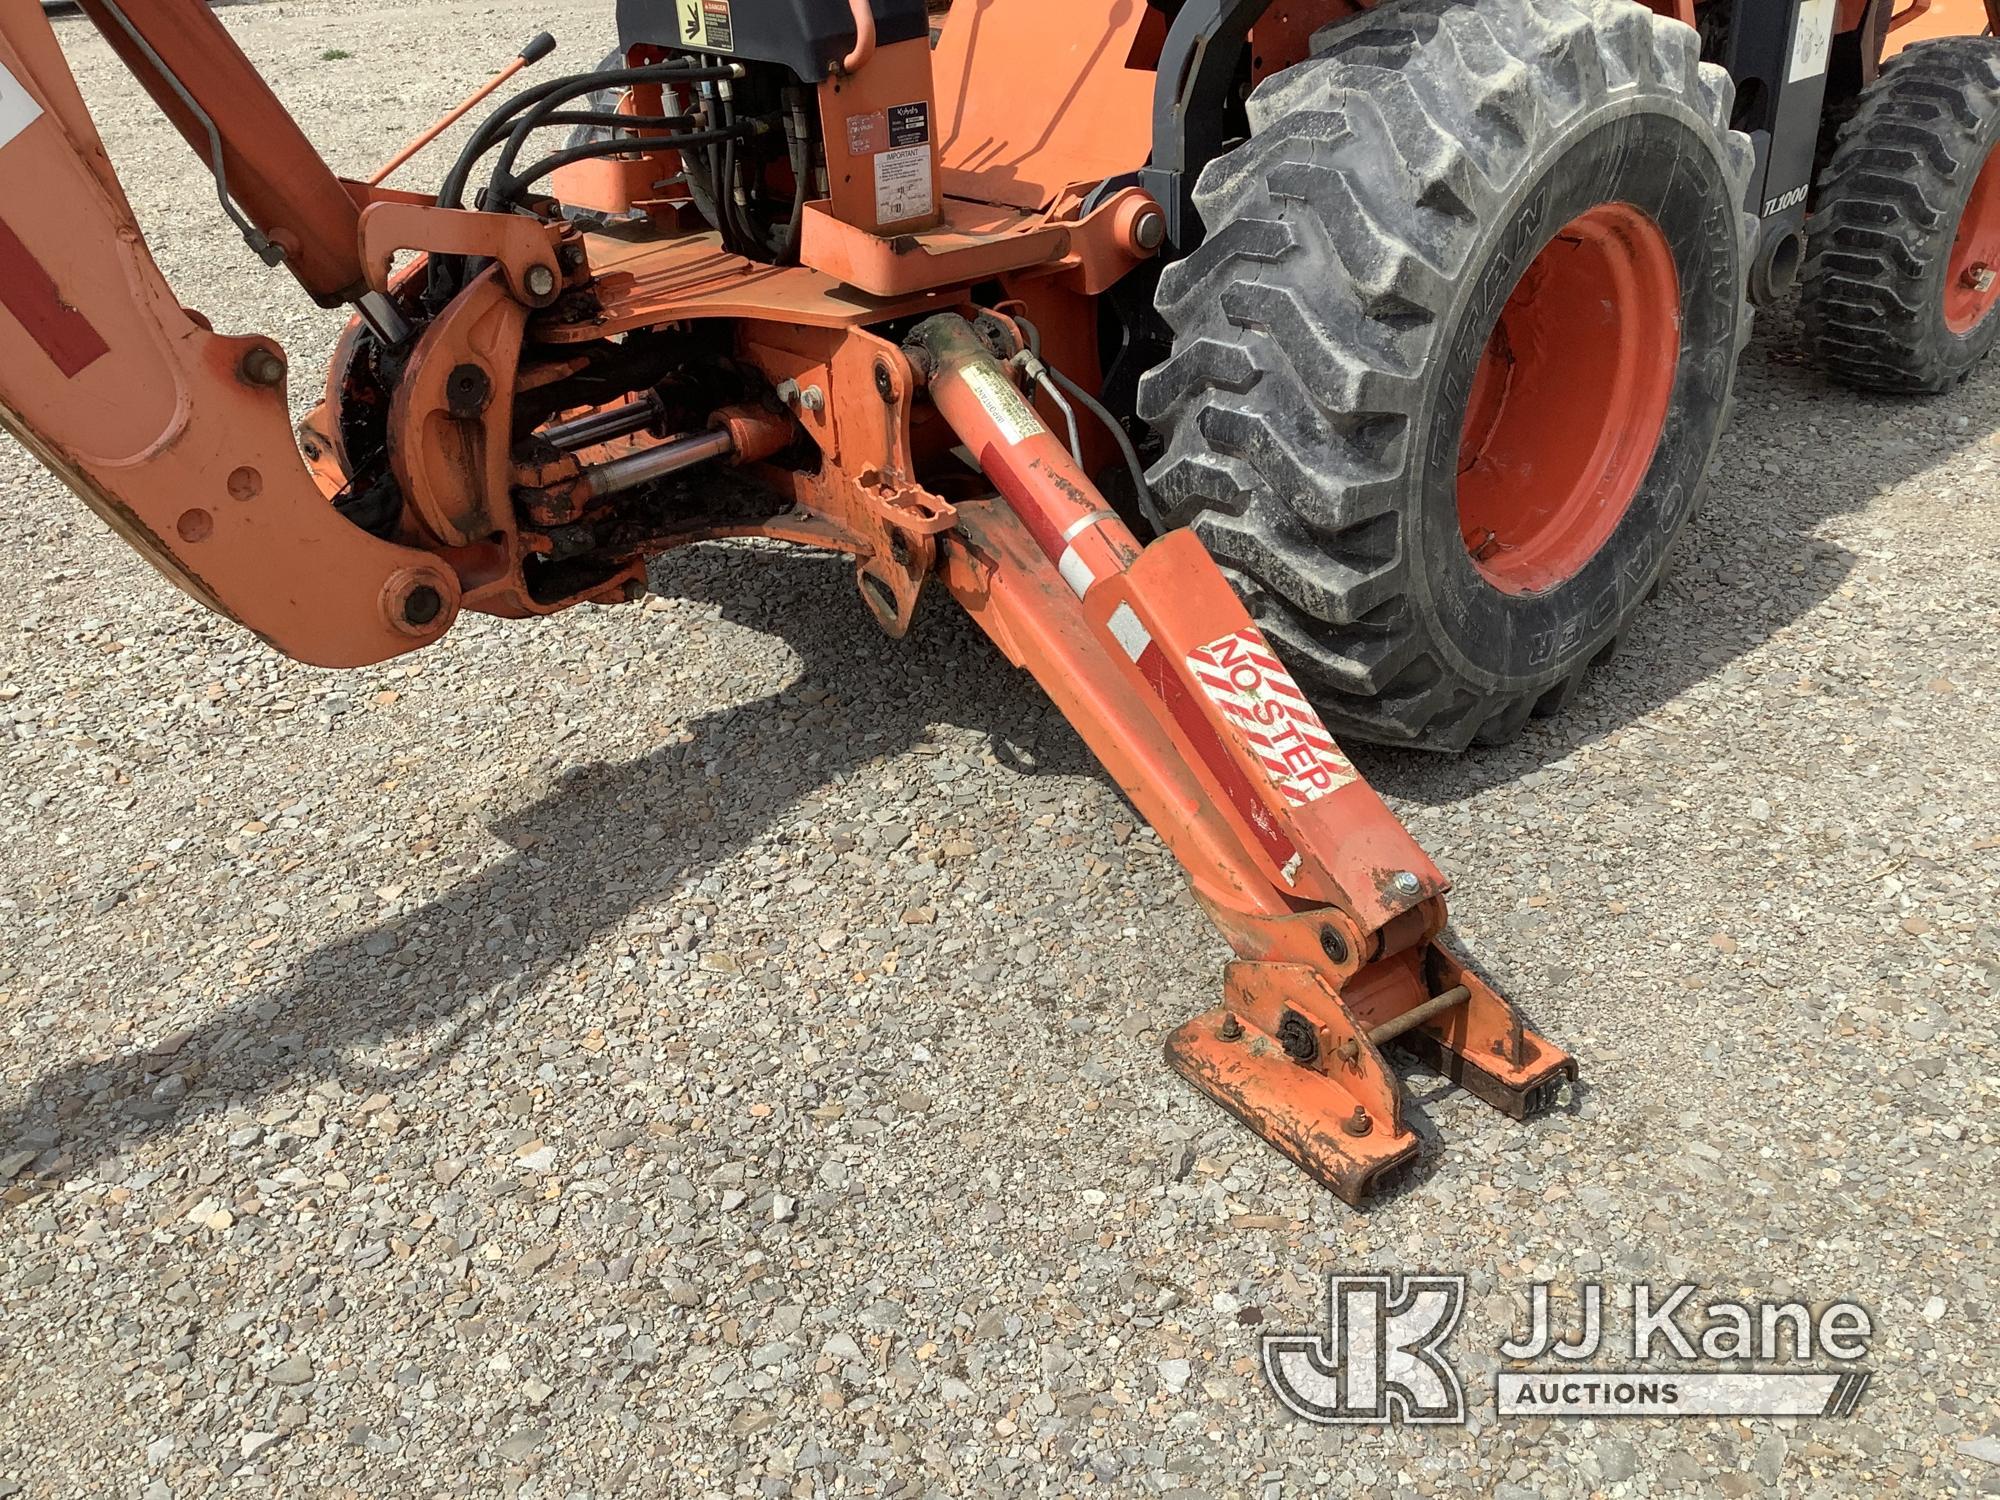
<point>1503,239</point>
<point>1902,270</point>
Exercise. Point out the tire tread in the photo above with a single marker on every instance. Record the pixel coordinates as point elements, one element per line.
<point>1305,324</point>
<point>1881,230</point>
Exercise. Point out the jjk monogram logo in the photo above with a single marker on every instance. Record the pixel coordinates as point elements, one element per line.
<point>1380,1357</point>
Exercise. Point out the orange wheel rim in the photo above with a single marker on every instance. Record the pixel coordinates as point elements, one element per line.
<point>1569,400</point>
<point>1972,274</point>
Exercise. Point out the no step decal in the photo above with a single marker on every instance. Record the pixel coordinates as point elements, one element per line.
<point>1271,716</point>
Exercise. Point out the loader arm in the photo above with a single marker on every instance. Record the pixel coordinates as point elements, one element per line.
<point>517,419</point>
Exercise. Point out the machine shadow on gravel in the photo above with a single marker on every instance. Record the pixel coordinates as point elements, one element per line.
<point>583,860</point>
<point>581,855</point>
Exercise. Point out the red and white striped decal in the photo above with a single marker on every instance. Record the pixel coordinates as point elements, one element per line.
<point>1072,548</point>
<point>1266,711</point>
<point>26,288</point>
<point>1156,668</point>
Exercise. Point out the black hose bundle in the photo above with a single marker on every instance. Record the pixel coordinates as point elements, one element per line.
<point>533,107</point>
<point>733,185</point>
<point>714,140</point>
<point>513,122</point>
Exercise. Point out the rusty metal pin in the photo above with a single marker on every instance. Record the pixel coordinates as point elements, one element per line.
<point>1414,1017</point>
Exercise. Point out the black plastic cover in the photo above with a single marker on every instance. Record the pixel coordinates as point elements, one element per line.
<point>807,36</point>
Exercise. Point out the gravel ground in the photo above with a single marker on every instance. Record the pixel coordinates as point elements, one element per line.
<point>701,1049</point>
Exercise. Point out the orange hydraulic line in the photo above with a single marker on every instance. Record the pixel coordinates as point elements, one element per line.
<point>534,52</point>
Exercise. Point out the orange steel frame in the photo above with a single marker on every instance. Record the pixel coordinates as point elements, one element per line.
<point>178,436</point>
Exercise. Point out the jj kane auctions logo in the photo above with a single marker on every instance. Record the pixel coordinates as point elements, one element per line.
<point>1380,1356</point>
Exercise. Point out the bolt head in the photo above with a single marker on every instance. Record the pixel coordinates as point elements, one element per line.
<point>261,367</point>
<point>1357,1123</point>
<point>1149,230</point>
<point>467,390</point>
<point>540,281</point>
<point>1230,1029</point>
<point>1406,883</point>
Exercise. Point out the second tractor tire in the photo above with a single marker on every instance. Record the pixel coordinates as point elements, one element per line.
<point>1902,275</point>
<point>1449,369</point>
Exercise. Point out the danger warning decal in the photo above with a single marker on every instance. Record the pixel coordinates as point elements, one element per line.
<point>707,25</point>
<point>1245,679</point>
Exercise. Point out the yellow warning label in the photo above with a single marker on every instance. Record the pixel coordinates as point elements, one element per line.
<point>1005,405</point>
<point>706,25</point>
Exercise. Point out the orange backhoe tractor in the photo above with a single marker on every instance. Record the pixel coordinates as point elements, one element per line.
<point>1249,370</point>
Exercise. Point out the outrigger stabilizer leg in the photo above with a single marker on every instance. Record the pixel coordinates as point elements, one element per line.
<point>1335,914</point>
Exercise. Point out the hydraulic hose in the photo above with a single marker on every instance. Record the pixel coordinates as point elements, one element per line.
<point>1141,491</point>
<point>451,192</point>
<point>537,114</point>
<point>500,197</point>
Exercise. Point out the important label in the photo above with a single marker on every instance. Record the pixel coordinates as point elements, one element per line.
<point>1812,43</point>
<point>706,25</point>
<point>18,109</point>
<point>903,185</point>
<point>1007,407</point>
<point>1244,678</point>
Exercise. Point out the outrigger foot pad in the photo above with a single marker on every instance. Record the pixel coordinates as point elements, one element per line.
<point>1290,1057</point>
